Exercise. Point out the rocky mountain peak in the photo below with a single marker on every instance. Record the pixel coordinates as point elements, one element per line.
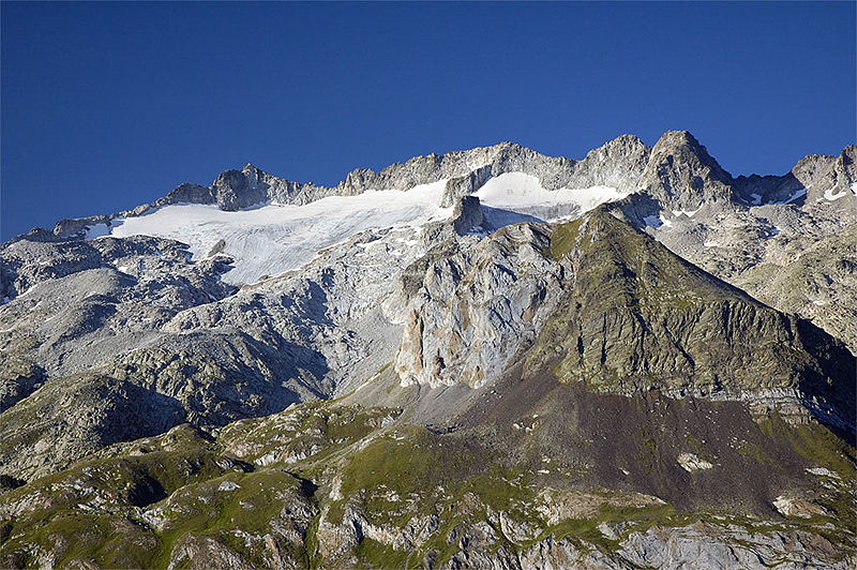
<point>236,189</point>
<point>682,174</point>
<point>252,170</point>
<point>682,145</point>
<point>622,144</point>
<point>829,179</point>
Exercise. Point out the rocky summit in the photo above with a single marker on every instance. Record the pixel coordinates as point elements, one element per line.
<point>490,358</point>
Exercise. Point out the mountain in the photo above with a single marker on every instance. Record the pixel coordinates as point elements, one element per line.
<point>488,358</point>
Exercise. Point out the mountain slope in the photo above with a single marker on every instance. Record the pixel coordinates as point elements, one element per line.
<point>489,358</point>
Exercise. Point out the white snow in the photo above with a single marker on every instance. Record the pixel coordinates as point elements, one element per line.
<point>757,199</point>
<point>797,194</point>
<point>688,213</point>
<point>97,231</point>
<point>657,221</point>
<point>831,196</point>
<point>823,472</point>
<point>525,194</point>
<point>274,239</point>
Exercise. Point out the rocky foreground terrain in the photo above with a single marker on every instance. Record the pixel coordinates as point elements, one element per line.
<point>485,359</point>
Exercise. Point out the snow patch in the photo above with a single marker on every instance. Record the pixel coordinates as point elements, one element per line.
<point>97,231</point>
<point>272,239</point>
<point>795,195</point>
<point>688,213</point>
<point>829,193</point>
<point>525,194</point>
<point>757,199</point>
<point>822,472</point>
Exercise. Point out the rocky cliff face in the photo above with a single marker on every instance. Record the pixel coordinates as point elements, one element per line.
<point>630,360</point>
<point>472,309</point>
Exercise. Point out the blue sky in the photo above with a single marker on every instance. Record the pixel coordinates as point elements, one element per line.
<point>106,106</point>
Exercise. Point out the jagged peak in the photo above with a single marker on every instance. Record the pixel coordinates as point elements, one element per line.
<point>683,145</point>
<point>674,139</point>
<point>233,187</point>
<point>620,144</point>
<point>623,140</point>
<point>847,153</point>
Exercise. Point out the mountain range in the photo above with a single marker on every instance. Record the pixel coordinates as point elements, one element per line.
<point>489,358</point>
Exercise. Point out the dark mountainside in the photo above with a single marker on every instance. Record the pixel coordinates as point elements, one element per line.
<point>662,378</point>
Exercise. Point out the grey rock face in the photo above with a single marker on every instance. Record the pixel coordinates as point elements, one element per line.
<point>682,175</point>
<point>236,189</point>
<point>706,546</point>
<point>472,309</point>
<point>829,178</point>
<point>619,164</point>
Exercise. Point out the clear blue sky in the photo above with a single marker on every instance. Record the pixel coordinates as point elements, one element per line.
<point>106,106</point>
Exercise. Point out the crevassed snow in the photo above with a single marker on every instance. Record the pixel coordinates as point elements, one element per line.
<point>525,194</point>
<point>274,239</point>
